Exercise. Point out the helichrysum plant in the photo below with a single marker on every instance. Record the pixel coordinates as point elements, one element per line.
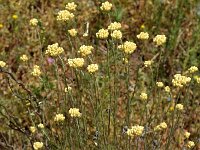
<point>87,76</point>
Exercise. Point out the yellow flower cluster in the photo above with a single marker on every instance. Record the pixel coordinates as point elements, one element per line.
<point>186,134</point>
<point>54,50</point>
<point>76,62</point>
<point>159,84</point>
<point>190,144</point>
<point>160,127</point>
<point>106,6</point>
<point>33,22</point>
<point>143,36</point>
<point>148,63</point>
<point>116,34</point>
<point>114,26</point>
<point>85,50</point>
<point>41,126</point>
<point>143,96</point>
<point>180,80</point>
<point>36,71</point>
<point>72,32</point>
<point>59,117</point>
<point>135,131</point>
<point>179,107</point>
<point>37,145</point>
<point>24,58</point>
<point>64,15</point>
<point>92,68</point>
<point>159,39</point>
<point>102,34</point>
<point>167,89</point>
<point>2,64</point>
<point>1,25</point>
<point>32,129</point>
<point>128,47</point>
<point>74,112</point>
<point>71,6</point>
<point>193,69</point>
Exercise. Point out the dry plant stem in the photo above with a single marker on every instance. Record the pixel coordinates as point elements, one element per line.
<point>109,86</point>
<point>101,109</point>
<point>42,66</point>
<point>58,80</point>
<point>173,124</point>
<point>84,108</point>
<point>157,104</point>
<point>14,125</point>
<point>71,44</point>
<point>66,83</point>
<point>153,99</point>
<point>159,62</point>
<point>128,96</point>
<point>114,91</point>
<point>78,133</point>
<point>146,127</point>
<point>31,96</point>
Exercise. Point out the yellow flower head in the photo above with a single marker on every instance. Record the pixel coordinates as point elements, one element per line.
<point>36,71</point>
<point>143,96</point>
<point>102,34</point>
<point>114,26</point>
<point>143,36</point>
<point>159,39</point>
<point>2,64</point>
<point>92,68</point>
<point>190,144</point>
<point>71,6</point>
<point>171,108</point>
<point>14,16</point>
<point>179,107</point>
<point>24,58</point>
<point>160,127</point>
<point>59,118</point>
<point>41,126</point>
<point>197,79</point>
<point>85,50</point>
<point>32,129</point>
<point>68,89</point>
<point>128,47</point>
<point>76,62</point>
<point>180,80</point>
<point>142,26</point>
<point>159,84</point>
<point>186,134</point>
<point>54,50</point>
<point>148,63</point>
<point>37,145</point>
<point>1,25</point>
<point>135,131</point>
<point>193,69</point>
<point>106,6</point>
<point>72,32</point>
<point>167,89</point>
<point>74,112</point>
<point>33,22</point>
<point>85,34</point>
<point>64,15</point>
<point>116,34</point>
